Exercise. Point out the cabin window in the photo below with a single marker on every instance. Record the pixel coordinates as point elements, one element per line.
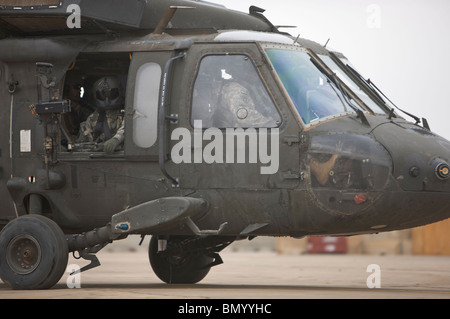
<point>229,92</point>
<point>146,97</point>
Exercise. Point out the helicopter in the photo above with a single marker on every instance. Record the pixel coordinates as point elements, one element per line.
<point>233,129</point>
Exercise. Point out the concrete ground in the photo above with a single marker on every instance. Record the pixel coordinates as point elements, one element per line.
<point>263,274</point>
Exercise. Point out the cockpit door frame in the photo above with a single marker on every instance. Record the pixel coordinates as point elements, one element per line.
<point>193,175</point>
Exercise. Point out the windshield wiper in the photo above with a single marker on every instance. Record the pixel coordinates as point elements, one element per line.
<point>377,91</point>
<point>332,78</point>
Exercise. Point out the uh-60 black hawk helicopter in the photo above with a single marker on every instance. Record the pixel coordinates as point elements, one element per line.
<point>232,129</point>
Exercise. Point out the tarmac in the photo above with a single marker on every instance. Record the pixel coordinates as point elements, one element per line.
<point>256,275</point>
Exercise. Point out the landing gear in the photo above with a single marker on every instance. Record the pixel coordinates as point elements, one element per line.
<point>33,253</point>
<point>185,260</point>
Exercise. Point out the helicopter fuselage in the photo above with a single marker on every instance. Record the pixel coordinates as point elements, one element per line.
<point>232,130</point>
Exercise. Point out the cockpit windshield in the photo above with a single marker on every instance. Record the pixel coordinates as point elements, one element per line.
<point>312,93</point>
<point>374,107</point>
<point>316,93</point>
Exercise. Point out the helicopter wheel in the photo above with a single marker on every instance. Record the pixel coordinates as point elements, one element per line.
<point>178,268</point>
<point>33,253</point>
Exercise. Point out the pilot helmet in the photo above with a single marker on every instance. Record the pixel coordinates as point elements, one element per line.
<point>107,95</point>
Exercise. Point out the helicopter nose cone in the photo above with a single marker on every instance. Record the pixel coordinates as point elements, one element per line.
<point>395,176</point>
<point>421,170</point>
<point>420,158</point>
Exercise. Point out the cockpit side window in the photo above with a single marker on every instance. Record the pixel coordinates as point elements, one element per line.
<point>228,92</point>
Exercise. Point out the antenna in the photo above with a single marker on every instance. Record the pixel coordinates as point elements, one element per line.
<point>326,43</point>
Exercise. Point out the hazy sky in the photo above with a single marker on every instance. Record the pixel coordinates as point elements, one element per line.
<point>401,45</point>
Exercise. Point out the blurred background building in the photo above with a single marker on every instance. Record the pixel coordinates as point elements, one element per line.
<point>432,239</point>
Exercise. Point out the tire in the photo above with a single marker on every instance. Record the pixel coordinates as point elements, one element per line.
<point>185,269</point>
<point>33,253</point>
